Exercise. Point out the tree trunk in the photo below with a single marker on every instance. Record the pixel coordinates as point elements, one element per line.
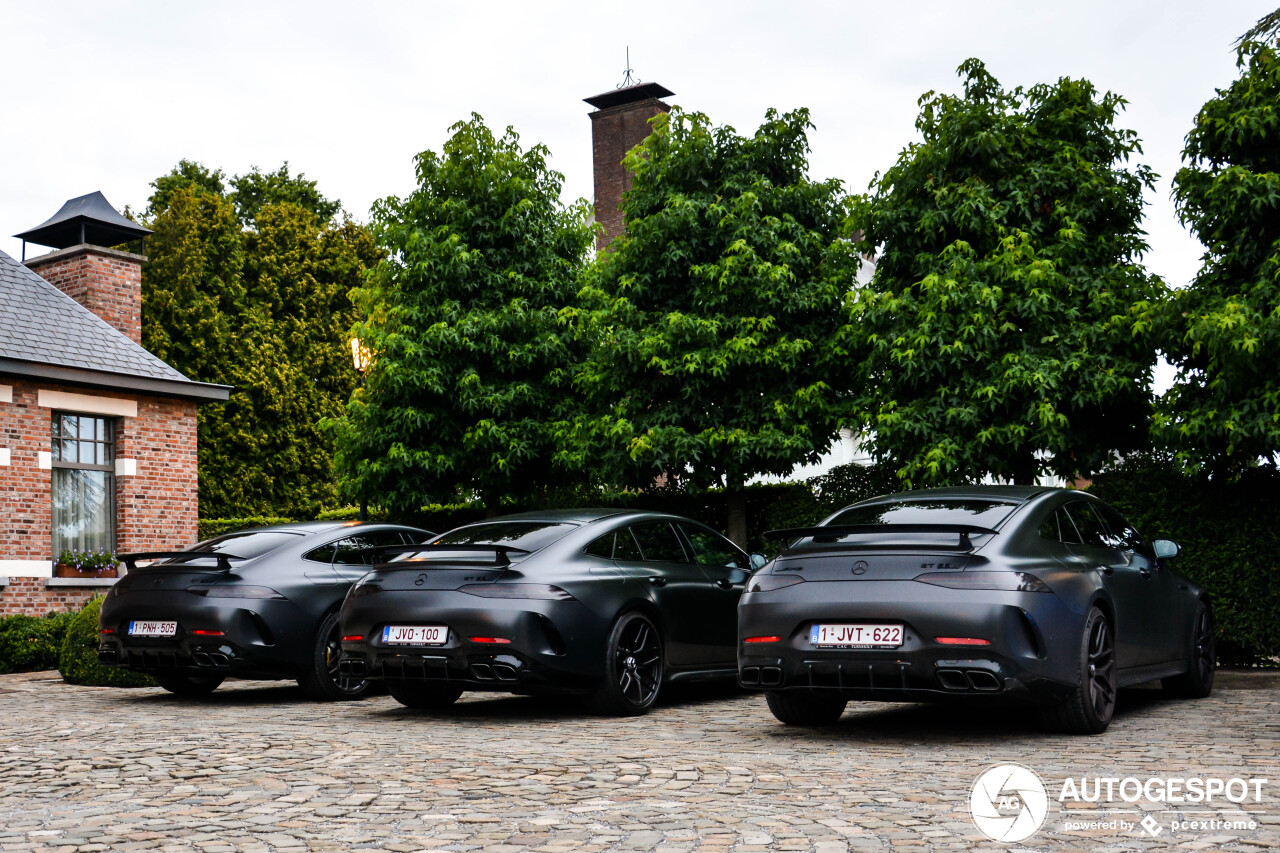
<point>492,504</point>
<point>1024,469</point>
<point>737,504</point>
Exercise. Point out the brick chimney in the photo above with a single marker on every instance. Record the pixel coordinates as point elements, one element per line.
<point>620,123</point>
<point>106,281</point>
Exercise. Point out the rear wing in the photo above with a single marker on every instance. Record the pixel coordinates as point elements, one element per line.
<point>500,554</point>
<point>835,531</point>
<point>224,560</point>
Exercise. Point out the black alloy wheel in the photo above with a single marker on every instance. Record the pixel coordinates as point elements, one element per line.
<point>1088,708</point>
<point>323,680</point>
<point>1197,681</point>
<point>633,667</point>
<point>188,685</point>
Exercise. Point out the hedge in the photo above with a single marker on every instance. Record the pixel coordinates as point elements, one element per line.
<point>1229,530</point>
<point>78,661</point>
<point>32,643</point>
<point>208,528</point>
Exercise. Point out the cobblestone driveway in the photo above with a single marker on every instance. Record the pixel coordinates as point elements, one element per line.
<point>256,768</point>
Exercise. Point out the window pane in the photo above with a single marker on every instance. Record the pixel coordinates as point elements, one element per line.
<point>249,543</point>
<point>525,535</point>
<point>602,547</point>
<point>83,510</point>
<point>1090,525</point>
<point>710,549</point>
<point>625,547</point>
<point>983,513</point>
<point>658,543</point>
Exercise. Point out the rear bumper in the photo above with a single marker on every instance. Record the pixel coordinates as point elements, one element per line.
<point>1031,641</point>
<point>214,636</point>
<point>542,645</point>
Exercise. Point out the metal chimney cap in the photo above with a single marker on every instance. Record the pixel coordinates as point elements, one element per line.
<point>627,95</point>
<point>87,219</point>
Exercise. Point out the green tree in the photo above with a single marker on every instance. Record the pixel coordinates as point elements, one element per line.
<point>186,174</point>
<point>255,188</point>
<point>263,308</point>
<point>715,321</point>
<point>1223,332</point>
<point>1002,331</point>
<point>471,362</point>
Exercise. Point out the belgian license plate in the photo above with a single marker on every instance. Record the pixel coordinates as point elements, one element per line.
<point>415,635</point>
<point>152,628</point>
<point>856,636</point>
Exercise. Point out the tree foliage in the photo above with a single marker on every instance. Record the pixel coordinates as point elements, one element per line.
<point>1002,330</point>
<point>715,322</point>
<point>255,188</point>
<point>1223,332</point>
<point>261,305</point>
<point>471,362</point>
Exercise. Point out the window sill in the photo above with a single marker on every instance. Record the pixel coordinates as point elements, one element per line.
<point>80,581</point>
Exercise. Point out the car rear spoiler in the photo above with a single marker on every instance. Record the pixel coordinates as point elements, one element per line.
<point>964,531</point>
<point>500,554</point>
<point>224,560</point>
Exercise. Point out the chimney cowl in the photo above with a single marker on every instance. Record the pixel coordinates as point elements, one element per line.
<point>87,219</point>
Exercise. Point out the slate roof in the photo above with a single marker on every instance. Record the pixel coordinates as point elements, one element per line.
<point>47,334</point>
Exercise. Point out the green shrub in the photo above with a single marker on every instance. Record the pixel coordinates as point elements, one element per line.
<point>1229,530</point>
<point>78,661</point>
<point>208,528</point>
<point>31,643</point>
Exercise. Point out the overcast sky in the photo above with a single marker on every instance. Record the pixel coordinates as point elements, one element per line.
<point>107,96</point>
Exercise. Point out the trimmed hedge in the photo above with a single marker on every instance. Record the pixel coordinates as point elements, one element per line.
<point>32,643</point>
<point>210,527</point>
<point>78,661</point>
<point>1230,536</point>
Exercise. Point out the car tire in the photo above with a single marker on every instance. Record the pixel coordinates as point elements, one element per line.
<point>805,709</point>
<point>322,681</point>
<point>423,695</point>
<point>188,685</point>
<point>1197,681</point>
<point>633,668</point>
<point>1089,706</point>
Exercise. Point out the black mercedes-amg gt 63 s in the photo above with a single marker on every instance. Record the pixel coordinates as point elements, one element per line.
<point>255,604</point>
<point>1047,594</point>
<point>607,603</point>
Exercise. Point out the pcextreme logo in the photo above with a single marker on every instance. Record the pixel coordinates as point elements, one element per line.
<point>1008,803</point>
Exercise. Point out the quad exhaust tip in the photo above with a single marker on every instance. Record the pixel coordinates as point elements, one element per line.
<point>969,680</point>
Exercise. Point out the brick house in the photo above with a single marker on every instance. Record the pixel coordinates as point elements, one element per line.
<point>97,435</point>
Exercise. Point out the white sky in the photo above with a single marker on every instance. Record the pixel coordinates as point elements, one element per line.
<point>107,96</point>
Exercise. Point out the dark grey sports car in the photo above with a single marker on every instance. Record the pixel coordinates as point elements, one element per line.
<point>608,603</point>
<point>967,592</point>
<point>259,603</point>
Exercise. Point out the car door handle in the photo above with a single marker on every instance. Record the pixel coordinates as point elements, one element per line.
<point>1146,574</point>
<point>724,584</point>
<point>657,581</point>
<point>1106,570</point>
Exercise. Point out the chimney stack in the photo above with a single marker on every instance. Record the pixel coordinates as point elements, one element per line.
<point>106,281</point>
<point>620,123</point>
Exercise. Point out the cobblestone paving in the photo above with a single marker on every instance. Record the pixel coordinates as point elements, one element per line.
<point>257,768</point>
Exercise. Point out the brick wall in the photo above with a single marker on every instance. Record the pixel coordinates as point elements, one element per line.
<point>106,281</point>
<point>156,508</point>
<point>614,132</point>
<point>34,597</point>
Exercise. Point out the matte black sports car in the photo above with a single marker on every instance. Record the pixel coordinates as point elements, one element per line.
<point>1044,593</point>
<point>607,603</point>
<point>259,603</point>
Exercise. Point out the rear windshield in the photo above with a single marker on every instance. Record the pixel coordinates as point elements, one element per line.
<point>249,543</point>
<point>979,512</point>
<point>525,535</point>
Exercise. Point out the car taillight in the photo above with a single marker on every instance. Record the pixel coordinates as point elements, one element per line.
<point>1003,581</point>
<point>762,640</point>
<point>536,591</point>
<point>352,638</point>
<point>499,640</point>
<point>768,583</point>
<point>962,641</point>
<point>203,632</point>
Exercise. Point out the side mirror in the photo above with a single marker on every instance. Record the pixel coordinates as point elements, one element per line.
<point>1166,549</point>
<point>758,561</point>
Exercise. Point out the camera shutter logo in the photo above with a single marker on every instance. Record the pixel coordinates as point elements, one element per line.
<point>1008,803</point>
